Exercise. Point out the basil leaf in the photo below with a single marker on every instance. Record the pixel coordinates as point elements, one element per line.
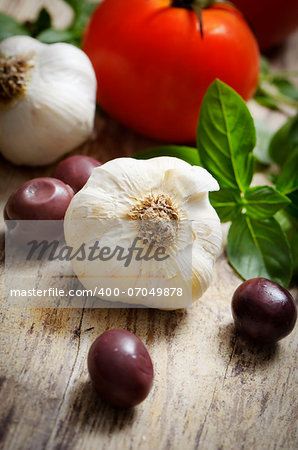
<point>263,202</point>
<point>286,87</point>
<point>264,136</point>
<point>82,12</point>
<point>51,36</point>
<point>227,203</point>
<point>42,22</point>
<point>287,181</point>
<point>226,137</point>
<point>265,99</point>
<point>284,141</point>
<point>293,207</point>
<point>289,226</point>
<point>188,154</point>
<point>10,27</point>
<point>260,249</point>
<point>264,66</point>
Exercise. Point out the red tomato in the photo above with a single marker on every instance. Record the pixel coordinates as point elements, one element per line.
<point>153,67</point>
<point>271,20</point>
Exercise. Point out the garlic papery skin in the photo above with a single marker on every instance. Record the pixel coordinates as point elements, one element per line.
<point>47,100</point>
<point>125,198</point>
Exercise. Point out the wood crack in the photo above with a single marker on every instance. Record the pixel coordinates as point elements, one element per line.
<point>68,381</point>
<point>199,434</point>
<point>230,360</point>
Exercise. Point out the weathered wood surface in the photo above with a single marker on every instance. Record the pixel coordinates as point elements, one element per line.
<point>212,390</point>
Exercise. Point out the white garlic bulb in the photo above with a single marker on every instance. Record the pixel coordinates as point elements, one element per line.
<point>47,100</point>
<point>164,202</point>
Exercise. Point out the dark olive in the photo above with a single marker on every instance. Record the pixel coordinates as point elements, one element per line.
<point>39,199</point>
<point>75,170</point>
<point>263,310</point>
<point>120,368</point>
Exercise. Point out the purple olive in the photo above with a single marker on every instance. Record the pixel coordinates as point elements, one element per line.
<point>39,199</point>
<point>120,368</point>
<point>263,310</point>
<point>75,170</point>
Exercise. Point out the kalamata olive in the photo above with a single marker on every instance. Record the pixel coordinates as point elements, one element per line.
<point>263,310</point>
<point>120,368</point>
<point>39,199</point>
<point>75,170</point>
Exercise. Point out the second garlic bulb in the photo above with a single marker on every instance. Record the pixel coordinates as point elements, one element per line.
<point>47,100</point>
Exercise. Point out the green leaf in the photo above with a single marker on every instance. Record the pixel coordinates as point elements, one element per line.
<point>188,154</point>
<point>51,36</point>
<point>10,27</point>
<point>226,137</point>
<point>42,23</point>
<point>263,202</point>
<point>284,141</point>
<point>289,226</point>
<point>227,203</point>
<point>293,207</point>
<point>286,87</point>
<point>260,249</point>
<point>265,66</point>
<point>82,12</point>
<point>265,99</point>
<point>287,181</point>
<point>264,136</point>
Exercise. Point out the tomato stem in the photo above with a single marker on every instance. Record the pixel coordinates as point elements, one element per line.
<point>189,4</point>
<point>195,5</point>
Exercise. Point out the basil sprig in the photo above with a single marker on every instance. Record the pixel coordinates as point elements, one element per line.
<point>276,88</point>
<point>257,245</point>
<point>261,225</point>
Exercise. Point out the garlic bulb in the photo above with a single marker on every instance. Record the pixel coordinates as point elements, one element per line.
<point>164,203</point>
<point>47,100</point>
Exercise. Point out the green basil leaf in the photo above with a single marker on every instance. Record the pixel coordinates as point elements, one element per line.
<point>273,177</point>
<point>188,154</point>
<point>226,137</point>
<point>43,22</point>
<point>260,249</point>
<point>264,136</point>
<point>289,226</point>
<point>264,66</point>
<point>293,207</point>
<point>286,87</point>
<point>10,27</point>
<point>51,36</point>
<point>263,202</point>
<point>284,141</point>
<point>82,12</point>
<point>227,203</point>
<point>287,181</point>
<point>265,99</point>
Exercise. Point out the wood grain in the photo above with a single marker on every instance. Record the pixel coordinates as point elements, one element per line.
<point>212,390</point>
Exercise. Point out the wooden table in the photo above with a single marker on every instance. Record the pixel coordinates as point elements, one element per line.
<point>212,390</point>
